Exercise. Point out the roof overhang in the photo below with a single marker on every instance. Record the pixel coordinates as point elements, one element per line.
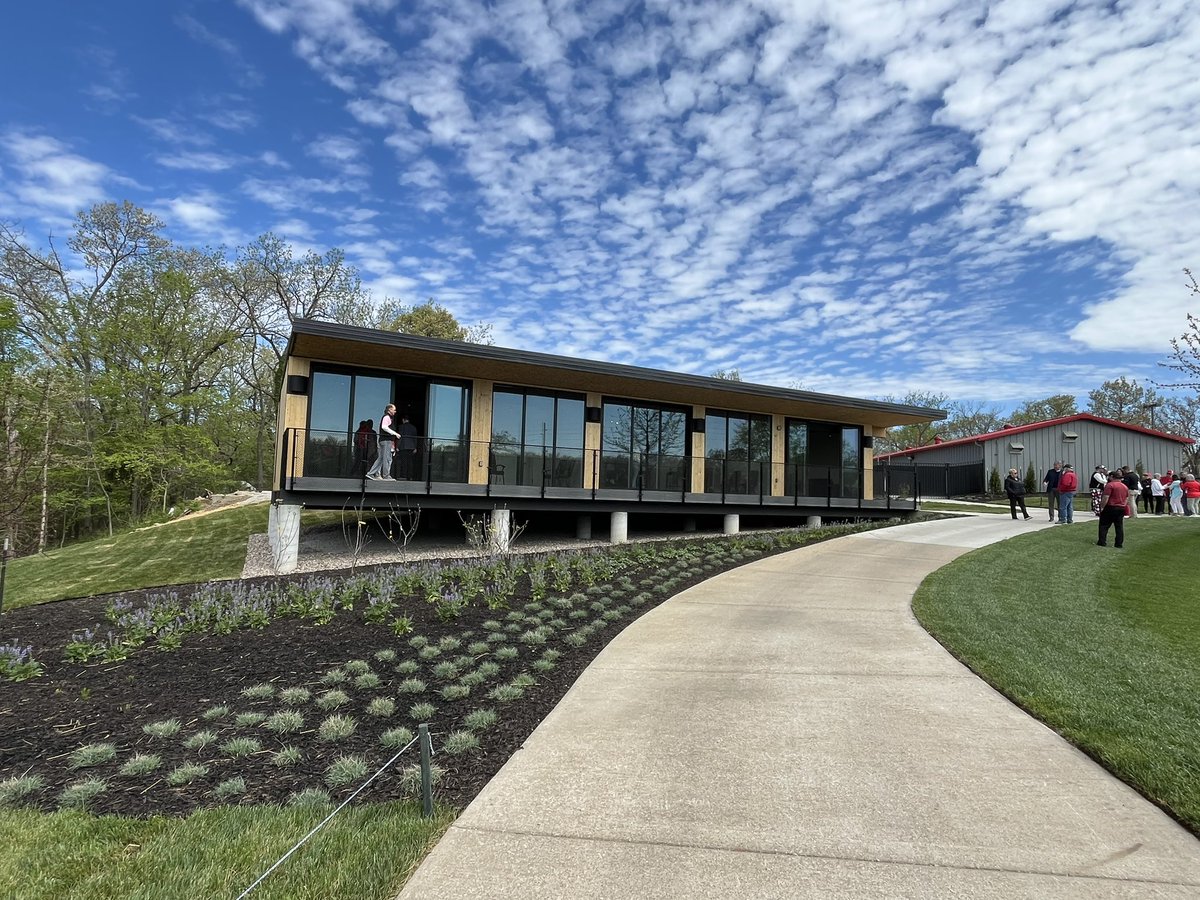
<point>373,348</point>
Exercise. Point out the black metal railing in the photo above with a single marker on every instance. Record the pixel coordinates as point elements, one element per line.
<point>427,461</point>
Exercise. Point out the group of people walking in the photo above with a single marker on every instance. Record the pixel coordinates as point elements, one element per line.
<point>395,445</point>
<point>1114,496</point>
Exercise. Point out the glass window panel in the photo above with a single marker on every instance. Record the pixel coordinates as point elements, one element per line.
<point>714,436</point>
<point>539,421</point>
<point>570,425</point>
<point>448,451</point>
<point>329,404</point>
<point>617,429</point>
<point>673,440</point>
<point>760,438</point>
<point>507,412</point>
<point>371,397</point>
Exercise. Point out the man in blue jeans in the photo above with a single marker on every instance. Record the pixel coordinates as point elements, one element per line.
<point>1068,483</point>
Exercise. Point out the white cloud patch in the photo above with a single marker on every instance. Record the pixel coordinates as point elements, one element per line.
<point>858,174</point>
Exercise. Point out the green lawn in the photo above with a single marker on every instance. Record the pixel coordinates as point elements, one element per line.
<point>1101,644</point>
<point>366,851</point>
<point>203,548</point>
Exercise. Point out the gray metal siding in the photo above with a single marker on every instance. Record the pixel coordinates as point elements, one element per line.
<point>1097,444</point>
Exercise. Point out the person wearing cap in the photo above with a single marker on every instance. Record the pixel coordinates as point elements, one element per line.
<point>1115,506</point>
<point>1191,495</point>
<point>1014,487</point>
<point>1068,484</point>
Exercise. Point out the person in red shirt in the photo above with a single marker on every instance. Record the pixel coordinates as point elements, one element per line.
<point>1068,483</point>
<point>1191,495</point>
<point>1113,502</point>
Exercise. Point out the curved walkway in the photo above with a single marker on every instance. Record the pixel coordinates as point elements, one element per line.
<point>788,730</point>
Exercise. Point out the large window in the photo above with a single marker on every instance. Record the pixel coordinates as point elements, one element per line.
<point>644,447</point>
<point>737,452</point>
<point>338,402</point>
<point>823,459</point>
<point>537,439</point>
<point>449,441</point>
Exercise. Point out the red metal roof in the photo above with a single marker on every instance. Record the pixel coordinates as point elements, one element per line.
<point>1017,429</point>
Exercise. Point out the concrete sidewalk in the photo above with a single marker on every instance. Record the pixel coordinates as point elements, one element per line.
<point>787,730</point>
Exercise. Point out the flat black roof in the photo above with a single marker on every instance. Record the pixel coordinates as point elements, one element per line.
<point>575,364</point>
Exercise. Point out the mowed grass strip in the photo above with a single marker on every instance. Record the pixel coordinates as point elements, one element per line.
<point>204,548</point>
<point>1101,644</point>
<point>365,852</point>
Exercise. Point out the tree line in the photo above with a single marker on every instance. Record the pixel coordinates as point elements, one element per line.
<point>136,373</point>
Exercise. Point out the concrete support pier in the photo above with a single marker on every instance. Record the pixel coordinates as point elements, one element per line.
<point>618,528</point>
<point>500,530</point>
<point>283,533</point>
<point>814,522</point>
<point>731,525</point>
<point>583,528</point>
<point>689,524</point>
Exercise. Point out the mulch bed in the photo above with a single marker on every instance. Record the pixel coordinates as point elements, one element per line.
<point>44,719</point>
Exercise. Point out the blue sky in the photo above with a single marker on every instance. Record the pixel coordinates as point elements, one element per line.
<point>994,200</point>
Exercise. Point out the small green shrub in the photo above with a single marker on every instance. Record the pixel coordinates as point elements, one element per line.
<point>333,699</point>
<point>249,719</point>
<point>524,680</point>
<point>200,740</point>
<point>449,644</point>
<point>213,713</point>
<point>336,728</point>
<point>286,757</point>
<point>334,677</point>
<point>496,637</point>
<point>367,681</point>
<point>381,707</point>
<point>345,770</point>
<point>259,692</point>
<point>310,798</point>
<point>357,667</point>
<point>542,665</point>
<point>454,692</point>
<point>418,641</point>
<point>422,712</point>
<point>488,669</point>
<point>237,747</point>
<point>284,722</point>
<point>385,656</point>
<point>91,755</point>
<point>507,653</point>
<point>411,686</point>
<point>186,773</point>
<point>430,651</point>
<point>410,778</point>
<point>165,729</point>
<point>13,791</point>
<point>81,793</point>
<point>459,742</point>
<point>230,787</point>
<point>480,719</point>
<point>395,738</point>
<point>295,696</point>
<point>445,671</point>
<point>478,648</point>
<point>506,693</point>
<point>408,667</point>
<point>472,679</point>
<point>139,764</point>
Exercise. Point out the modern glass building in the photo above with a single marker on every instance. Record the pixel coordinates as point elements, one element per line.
<point>497,427</point>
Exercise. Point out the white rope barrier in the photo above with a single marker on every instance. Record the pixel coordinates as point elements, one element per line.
<point>327,819</point>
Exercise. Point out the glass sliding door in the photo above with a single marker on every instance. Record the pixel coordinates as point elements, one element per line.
<point>644,447</point>
<point>823,460</point>
<point>449,445</point>
<point>738,452</point>
<point>537,439</point>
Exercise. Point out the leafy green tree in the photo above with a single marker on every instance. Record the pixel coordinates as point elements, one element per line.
<point>994,484</point>
<point>1185,349</point>
<point>1056,406</point>
<point>1031,480</point>
<point>1124,400</point>
<point>901,437</point>
<point>430,319</point>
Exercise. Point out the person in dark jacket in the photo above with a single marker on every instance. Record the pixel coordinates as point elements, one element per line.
<point>1050,482</point>
<point>1015,488</point>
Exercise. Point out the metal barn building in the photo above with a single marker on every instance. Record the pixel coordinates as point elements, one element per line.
<point>951,468</point>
